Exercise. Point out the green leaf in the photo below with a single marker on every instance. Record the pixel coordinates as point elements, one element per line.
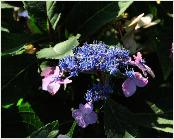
<point>60,50</point>
<point>50,130</point>
<point>29,117</point>
<point>15,43</point>
<point>71,131</point>
<point>115,121</point>
<point>123,5</point>
<point>5,5</point>
<point>164,121</point>
<point>37,10</point>
<point>165,129</point>
<point>126,121</point>
<point>53,134</point>
<point>5,30</point>
<point>52,13</point>
<point>16,78</point>
<point>88,17</point>
<point>7,106</point>
<point>155,108</point>
<point>158,122</point>
<point>32,25</point>
<point>20,101</point>
<point>164,59</point>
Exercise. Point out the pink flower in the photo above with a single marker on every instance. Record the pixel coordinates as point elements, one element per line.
<point>53,80</point>
<point>129,85</point>
<point>85,115</point>
<point>140,63</point>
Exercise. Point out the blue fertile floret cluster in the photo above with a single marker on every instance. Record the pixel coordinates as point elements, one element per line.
<point>98,92</point>
<point>95,57</point>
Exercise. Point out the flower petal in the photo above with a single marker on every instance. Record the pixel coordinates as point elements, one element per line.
<point>65,81</point>
<point>47,71</point>
<point>57,72</point>
<point>88,108</point>
<point>46,81</point>
<point>129,87</point>
<point>91,118</point>
<point>77,115</point>
<point>53,88</point>
<point>80,121</point>
<point>140,81</point>
<point>138,58</point>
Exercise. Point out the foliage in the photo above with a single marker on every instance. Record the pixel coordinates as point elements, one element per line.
<point>50,130</point>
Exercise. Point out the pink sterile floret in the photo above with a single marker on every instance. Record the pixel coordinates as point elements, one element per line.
<point>129,85</point>
<point>53,79</point>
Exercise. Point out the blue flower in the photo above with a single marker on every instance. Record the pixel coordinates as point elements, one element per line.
<point>98,92</point>
<point>95,57</point>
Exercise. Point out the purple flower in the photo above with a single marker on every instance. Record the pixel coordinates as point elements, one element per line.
<point>140,63</point>
<point>85,115</point>
<point>129,85</point>
<point>53,80</point>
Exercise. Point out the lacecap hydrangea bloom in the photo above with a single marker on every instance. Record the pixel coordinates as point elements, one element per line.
<point>105,61</point>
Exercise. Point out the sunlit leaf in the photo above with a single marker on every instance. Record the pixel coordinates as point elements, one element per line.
<point>6,5</point>
<point>20,101</point>
<point>126,121</point>
<point>123,5</point>
<point>5,30</point>
<point>7,106</point>
<point>60,50</point>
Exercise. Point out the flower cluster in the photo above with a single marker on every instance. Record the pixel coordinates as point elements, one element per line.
<point>98,92</point>
<point>105,61</point>
<point>95,57</point>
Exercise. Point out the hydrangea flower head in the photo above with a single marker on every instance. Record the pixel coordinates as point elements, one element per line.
<point>95,57</point>
<point>53,79</point>
<point>135,79</point>
<point>85,115</point>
